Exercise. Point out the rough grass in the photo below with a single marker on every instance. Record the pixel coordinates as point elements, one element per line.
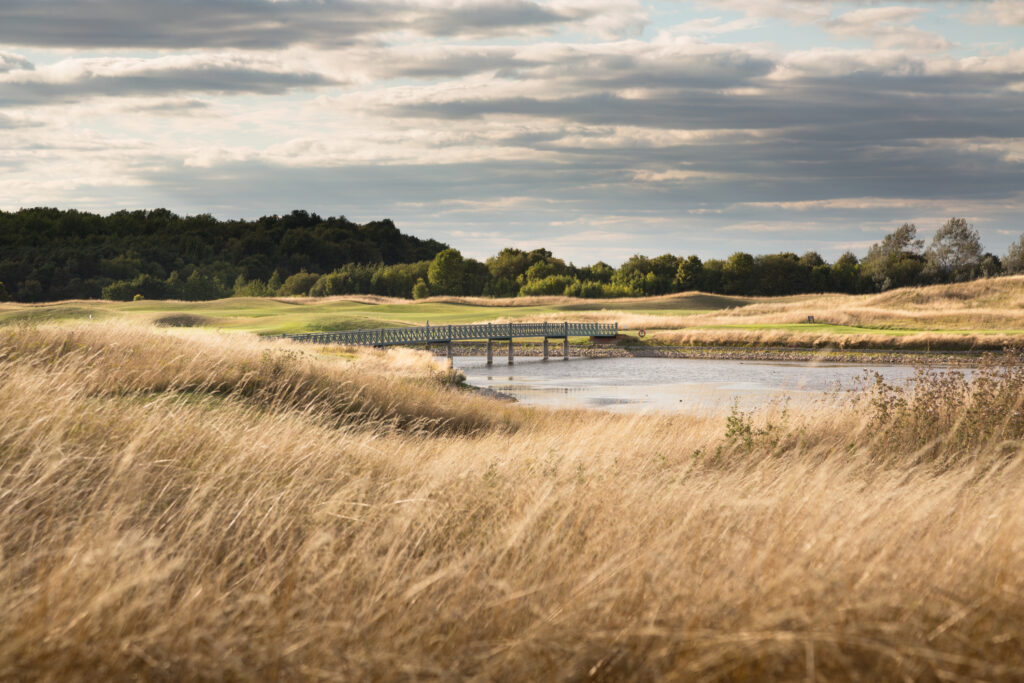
<point>178,504</point>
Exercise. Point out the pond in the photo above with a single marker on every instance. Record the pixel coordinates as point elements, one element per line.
<point>666,384</point>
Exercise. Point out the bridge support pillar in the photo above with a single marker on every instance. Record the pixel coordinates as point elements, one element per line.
<point>511,352</point>
<point>545,348</point>
<point>565,348</point>
<point>451,359</point>
<point>490,351</point>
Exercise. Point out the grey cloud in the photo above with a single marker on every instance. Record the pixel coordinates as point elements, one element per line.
<point>871,104</point>
<point>170,107</point>
<point>157,80</point>
<point>722,68</point>
<point>473,18</point>
<point>10,61</point>
<point>597,186</point>
<point>7,123</point>
<point>453,63</point>
<point>252,24</point>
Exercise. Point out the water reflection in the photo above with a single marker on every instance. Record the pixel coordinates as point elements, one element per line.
<point>667,384</point>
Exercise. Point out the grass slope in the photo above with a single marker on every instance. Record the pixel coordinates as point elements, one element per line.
<point>182,504</point>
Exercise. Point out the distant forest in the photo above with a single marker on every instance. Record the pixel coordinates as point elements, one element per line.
<point>50,254</point>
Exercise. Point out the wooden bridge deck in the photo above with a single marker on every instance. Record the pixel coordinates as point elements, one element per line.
<point>446,334</point>
<point>442,334</point>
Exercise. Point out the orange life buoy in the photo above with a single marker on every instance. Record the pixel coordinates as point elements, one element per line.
<point>641,334</point>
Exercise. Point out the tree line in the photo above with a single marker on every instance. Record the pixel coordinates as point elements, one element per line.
<point>48,254</point>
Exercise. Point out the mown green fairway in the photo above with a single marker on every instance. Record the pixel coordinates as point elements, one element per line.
<point>285,316</point>
<point>294,315</point>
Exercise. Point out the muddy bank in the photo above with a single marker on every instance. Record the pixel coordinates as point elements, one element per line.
<point>535,350</point>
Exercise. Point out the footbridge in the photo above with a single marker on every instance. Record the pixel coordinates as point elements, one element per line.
<point>446,334</point>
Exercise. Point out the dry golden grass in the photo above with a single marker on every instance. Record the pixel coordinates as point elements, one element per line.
<point>175,504</point>
<point>984,314</point>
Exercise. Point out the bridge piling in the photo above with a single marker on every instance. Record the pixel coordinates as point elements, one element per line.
<point>545,346</point>
<point>451,359</point>
<point>490,350</point>
<point>565,348</point>
<point>511,352</point>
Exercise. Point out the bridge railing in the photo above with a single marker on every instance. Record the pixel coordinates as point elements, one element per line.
<point>429,334</point>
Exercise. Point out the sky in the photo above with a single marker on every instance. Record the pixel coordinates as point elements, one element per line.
<point>594,128</point>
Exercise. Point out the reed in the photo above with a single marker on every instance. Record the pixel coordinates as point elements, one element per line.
<point>183,504</point>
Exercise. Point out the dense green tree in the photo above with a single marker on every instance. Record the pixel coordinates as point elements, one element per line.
<point>777,274</point>
<point>648,276</point>
<point>689,274</point>
<point>274,283</point>
<point>446,272</point>
<point>548,286</point>
<point>508,264</point>
<point>199,287</point>
<point>739,274</point>
<point>476,278</point>
<point>896,261</point>
<point>845,274</point>
<point>990,265</point>
<point>599,272</point>
<point>48,253</point>
<point>420,290</point>
<point>297,284</point>
<point>145,286</point>
<point>397,280</point>
<point>544,269</point>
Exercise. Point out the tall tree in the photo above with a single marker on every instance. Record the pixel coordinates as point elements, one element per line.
<point>1013,262</point>
<point>955,252</point>
<point>446,272</point>
<point>896,261</point>
<point>690,273</point>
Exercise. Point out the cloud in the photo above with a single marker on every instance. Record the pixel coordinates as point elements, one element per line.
<point>889,27</point>
<point>73,80</point>
<point>535,117</point>
<point>169,107</point>
<point>275,24</point>
<point>9,123</point>
<point>1002,12</point>
<point>11,62</point>
<point>797,11</point>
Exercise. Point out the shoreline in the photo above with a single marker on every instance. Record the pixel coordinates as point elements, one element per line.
<point>761,353</point>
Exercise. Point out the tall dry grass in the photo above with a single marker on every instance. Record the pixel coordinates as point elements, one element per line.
<point>179,505</point>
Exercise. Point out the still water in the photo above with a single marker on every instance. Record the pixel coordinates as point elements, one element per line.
<point>666,384</point>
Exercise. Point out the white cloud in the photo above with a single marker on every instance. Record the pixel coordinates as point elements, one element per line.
<point>1002,12</point>
<point>889,27</point>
